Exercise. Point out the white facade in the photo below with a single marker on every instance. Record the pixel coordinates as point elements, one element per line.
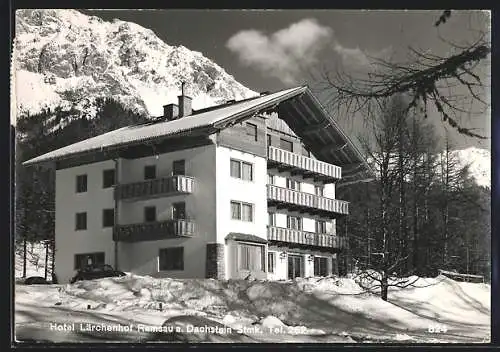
<point>209,206</point>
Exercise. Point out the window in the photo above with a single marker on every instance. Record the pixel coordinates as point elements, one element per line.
<point>320,226</point>
<point>292,184</point>
<point>171,258</point>
<point>319,190</point>
<point>320,266</point>
<point>241,211</point>
<point>179,167</point>
<point>150,214</point>
<point>179,211</point>
<point>306,152</point>
<point>271,260</point>
<point>294,222</point>
<point>84,259</point>
<point>270,179</point>
<point>108,178</point>
<point>286,145</point>
<point>251,257</point>
<point>81,183</point>
<point>81,221</point>
<point>272,219</point>
<point>241,169</point>
<point>149,172</point>
<point>108,217</point>
<point>251,130</point>
<point>269,140</point>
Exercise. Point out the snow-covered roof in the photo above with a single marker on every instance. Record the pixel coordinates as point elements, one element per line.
<point>140,133</point>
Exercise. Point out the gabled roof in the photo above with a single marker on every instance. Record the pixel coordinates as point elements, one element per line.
<point>298,107</point>
<point>137,134</point>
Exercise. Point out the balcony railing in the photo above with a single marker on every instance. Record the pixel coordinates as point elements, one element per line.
<point>305,201</point>
<point>282,234</point>
<point>154,231</point>
<point>300,164</point>
<point>172,185</point>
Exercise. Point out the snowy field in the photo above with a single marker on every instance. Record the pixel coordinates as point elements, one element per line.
<point>134,308</point>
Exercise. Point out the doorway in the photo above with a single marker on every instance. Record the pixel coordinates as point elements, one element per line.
<point>295,266</point>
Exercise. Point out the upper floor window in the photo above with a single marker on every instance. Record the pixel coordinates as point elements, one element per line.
<point>251,130</point>
<point>81,221</point>
<point>108,217</point>
<point>81,183</point>
<point>108,178</point>
<point>272,219</point>
<point>171,258</point>
<point>306,152</point>
<point>179,211</point>
<point>150,214</point>
<point>270,179</point>
<point>319,190</point>
<point>241,211</point>
<point>294,222</point>
<point>179,167</point>
<point>269,140</point>
<point>292,184</point>
<point>149,172</point>
<point>241,169</point>
<point>286,145</point>
<point>320,226</point>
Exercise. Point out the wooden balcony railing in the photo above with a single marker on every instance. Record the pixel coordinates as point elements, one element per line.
<point>153,188</point>
<point>154,231</point>
<point>303,165</point>
<point>306,200</point>
<point>282,234</point>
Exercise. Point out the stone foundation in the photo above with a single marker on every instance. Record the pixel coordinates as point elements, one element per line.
<point>214,266</point>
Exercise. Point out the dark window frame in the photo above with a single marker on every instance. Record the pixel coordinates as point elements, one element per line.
<point>320,266</point>
<point>94,256</point>
<point>108,217</point>
<point>172,262</point>
<point>81,183</point>
<point>174,209</point>
<point>271,261</point>
<point>106,183</point>
<point>241,174</point>
<point>262,261</point>
<point>80,224</point>
<point>289,222</point>
<point>177,172</point>
<point>148,174</point>
<point>320,228</point>
<point>288,143</point>
<point>252,130</point>
<point>150,209</point>
<point>241,204</point>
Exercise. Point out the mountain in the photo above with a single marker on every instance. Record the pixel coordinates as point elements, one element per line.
<point>64,57</point>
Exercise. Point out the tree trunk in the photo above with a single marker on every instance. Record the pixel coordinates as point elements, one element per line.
<point>24,257</point>
<point>384,286</point>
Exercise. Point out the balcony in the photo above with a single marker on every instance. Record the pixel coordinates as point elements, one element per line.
<point>305,202</point>
<point>281,234</point>
<point>159,187</point>
<point>154,231</point>
<point>302,165</point>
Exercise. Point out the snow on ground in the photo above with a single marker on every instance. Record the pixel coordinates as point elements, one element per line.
<point>35,261</point>
<point>303,310</point>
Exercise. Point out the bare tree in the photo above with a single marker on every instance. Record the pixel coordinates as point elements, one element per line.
<point>430,80</point>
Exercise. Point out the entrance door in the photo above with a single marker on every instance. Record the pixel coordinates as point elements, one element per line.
<point>295,266</point>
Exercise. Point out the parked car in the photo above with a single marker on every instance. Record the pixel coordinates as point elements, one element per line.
<point>91,272</point>
<point>36,280</point>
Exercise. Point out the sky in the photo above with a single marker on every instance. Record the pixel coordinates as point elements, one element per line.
<point>269,50</point>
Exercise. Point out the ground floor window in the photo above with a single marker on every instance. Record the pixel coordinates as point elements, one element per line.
<point>251,257</point>
<point>320,266</point>
<point>172,258</point>
<point>271,261</point>
<point>84,259</point>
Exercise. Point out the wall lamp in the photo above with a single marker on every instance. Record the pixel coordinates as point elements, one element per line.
<point>311,257</point>
<point>282,255</point>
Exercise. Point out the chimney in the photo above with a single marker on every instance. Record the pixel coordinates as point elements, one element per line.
<point>185,108</point>
<point>170,112</point>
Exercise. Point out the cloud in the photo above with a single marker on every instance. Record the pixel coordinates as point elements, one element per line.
<point>356,58</point>
<point>283,53</point>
